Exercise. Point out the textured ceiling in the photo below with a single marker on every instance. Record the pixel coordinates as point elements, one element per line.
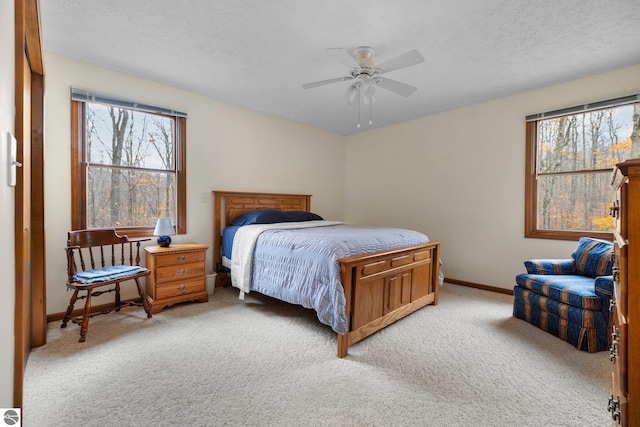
<point>257,53</point>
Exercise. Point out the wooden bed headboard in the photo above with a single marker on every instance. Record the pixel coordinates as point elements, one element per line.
<point>229,204</point>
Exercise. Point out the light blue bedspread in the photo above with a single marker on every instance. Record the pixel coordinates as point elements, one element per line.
<point>300,266</point>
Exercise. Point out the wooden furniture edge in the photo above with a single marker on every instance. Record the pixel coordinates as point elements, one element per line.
<point>176,247</point>
<point>157,307</point>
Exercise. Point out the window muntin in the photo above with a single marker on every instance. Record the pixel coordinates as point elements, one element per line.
<point>130,168</point>
<point>569,164</point>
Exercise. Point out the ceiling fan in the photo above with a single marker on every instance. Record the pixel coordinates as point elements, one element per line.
<point>366,75</point>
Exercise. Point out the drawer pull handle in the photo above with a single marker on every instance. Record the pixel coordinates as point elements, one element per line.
<point>181,258</point>
<point>615,343</point>
<point>182,287</point>
<point>613,351</point>
<point>181,272</point>
<point>614,210</point>
<point>614,408</point>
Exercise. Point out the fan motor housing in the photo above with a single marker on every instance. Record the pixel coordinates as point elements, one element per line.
<point>364,56</point>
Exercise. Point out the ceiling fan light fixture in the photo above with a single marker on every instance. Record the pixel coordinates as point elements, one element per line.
<point>365,73</point>
<point>364,56</point>
<point>368,88</point>
<point>351,94</point>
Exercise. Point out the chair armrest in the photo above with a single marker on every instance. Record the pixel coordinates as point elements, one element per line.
<point>140,239</point>
<point>604,286</point>
<point>550,266</point>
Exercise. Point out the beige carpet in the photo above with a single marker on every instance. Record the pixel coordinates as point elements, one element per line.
<point>262,362</point>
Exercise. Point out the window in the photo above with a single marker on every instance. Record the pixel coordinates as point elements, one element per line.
<point>570,156</point>
<point>128,164</point>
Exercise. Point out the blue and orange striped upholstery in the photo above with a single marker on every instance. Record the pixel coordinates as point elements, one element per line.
<point>569,298</point>
<point>577,291</point>
<point>550,266</point>
<point>593,257</point>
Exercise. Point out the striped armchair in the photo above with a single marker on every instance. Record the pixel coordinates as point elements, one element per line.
<point>569,298</point>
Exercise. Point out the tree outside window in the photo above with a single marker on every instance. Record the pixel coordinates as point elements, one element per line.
<point>129,168</point>
<point>569,163</point>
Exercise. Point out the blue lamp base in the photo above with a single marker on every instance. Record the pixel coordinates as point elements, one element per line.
<point>164,241</point>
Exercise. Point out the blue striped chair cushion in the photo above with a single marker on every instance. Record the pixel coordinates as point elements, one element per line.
<point>593,257</point>
<point>577,291</point>
<point>107,273</point>
<point>550,266</point>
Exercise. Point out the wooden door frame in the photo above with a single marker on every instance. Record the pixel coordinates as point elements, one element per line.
<point>30,304</point>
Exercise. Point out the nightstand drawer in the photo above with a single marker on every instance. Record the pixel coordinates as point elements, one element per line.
<point>179,258</point>
<point>179,272</point>
<point>175,289</point>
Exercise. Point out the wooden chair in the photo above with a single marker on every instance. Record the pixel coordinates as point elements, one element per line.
<point>88,269</point>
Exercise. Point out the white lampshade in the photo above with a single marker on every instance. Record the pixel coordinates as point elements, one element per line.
<point>164,227</point>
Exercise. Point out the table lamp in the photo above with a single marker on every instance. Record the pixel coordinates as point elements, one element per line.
<point>164,229</point>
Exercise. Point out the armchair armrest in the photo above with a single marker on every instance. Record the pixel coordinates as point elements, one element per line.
<point>604,286</point>
<point>550,266</point>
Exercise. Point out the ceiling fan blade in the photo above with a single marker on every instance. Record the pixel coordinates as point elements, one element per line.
<point>326,82</point>
<point>395,86</point>
<point>343,56</point>
<point>408,59</point>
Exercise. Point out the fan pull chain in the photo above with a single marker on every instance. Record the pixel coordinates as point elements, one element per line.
<point>358,126</point>
<point>370,108</point>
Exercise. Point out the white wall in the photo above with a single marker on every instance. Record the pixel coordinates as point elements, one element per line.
<point>458,176</point>
<point>7,200</point>
<point>228,148</point>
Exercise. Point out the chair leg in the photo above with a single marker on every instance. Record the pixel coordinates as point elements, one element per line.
<point>84,327</point>
<point>118,304</point>
<point>145,303</point>
<point>72,303</point>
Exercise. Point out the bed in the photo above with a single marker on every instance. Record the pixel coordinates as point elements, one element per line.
<point>375,288</point>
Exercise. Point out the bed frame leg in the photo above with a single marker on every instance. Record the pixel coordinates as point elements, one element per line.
<point>343,345</point>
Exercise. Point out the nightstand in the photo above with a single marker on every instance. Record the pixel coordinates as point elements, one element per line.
<point>177,275</point>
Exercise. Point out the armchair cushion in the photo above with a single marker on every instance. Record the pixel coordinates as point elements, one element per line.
<point>574,290</point>
<point>550,266</point>
<point>593,257</point>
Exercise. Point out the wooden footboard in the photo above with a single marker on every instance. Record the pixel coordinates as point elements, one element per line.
<point>383,287</point>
